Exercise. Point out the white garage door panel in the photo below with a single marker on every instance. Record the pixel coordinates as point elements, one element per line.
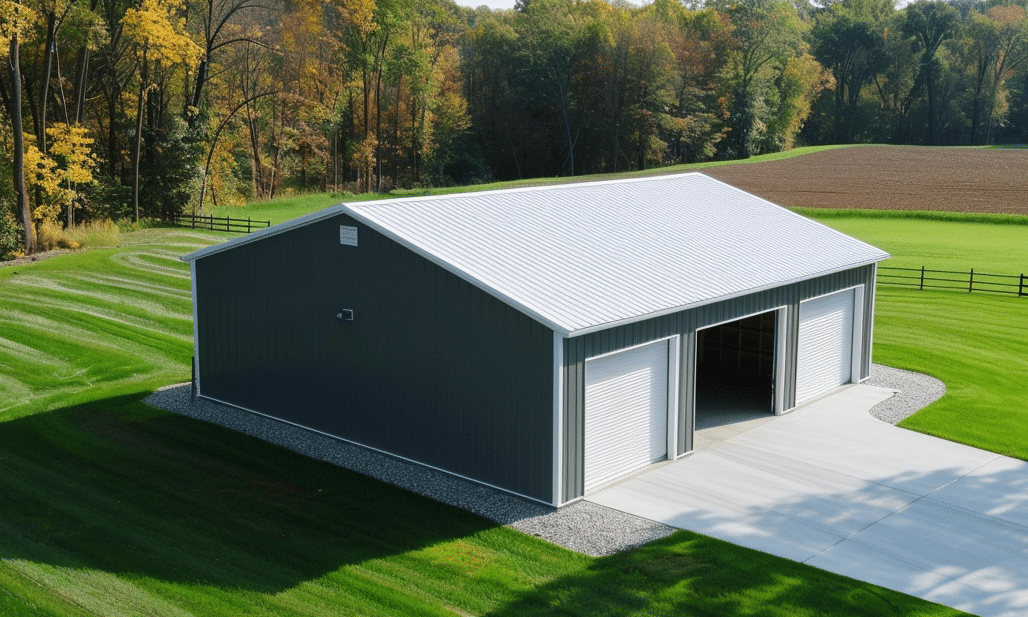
<point>625,412</point>
<point>825,344</point>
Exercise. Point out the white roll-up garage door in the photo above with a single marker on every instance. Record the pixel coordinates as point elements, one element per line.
<point>825,344</point>
<point>626,412</point>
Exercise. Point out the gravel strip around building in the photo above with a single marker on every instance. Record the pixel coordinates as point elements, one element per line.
<point>582,526</point>
<point>915,392</point>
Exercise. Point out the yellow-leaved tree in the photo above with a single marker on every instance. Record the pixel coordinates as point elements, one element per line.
<point>15,21</point>
<point>57,173</point>
<point>159,36</point>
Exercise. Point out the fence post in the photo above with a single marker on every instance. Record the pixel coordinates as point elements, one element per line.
<point>1020,287</point>
<point>970,282</point>
<point>921,286</point>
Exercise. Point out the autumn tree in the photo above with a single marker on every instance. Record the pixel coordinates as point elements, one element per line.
<point>15,20</point>
<point>156,32</point>
<point>216,32</point>
<point>701,43</point>
<point>765,34</point>
<point>993,47</point>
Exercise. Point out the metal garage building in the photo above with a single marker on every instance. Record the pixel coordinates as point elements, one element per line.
<point>542,340</point>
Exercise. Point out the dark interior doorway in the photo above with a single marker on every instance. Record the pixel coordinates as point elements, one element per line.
<point>735,369</point>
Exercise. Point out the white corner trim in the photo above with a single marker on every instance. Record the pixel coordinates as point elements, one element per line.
<point>781,349</point>
<point>857,346</point>
<point>558,418</point>
<point>674,348</point>
<point>871,325</point>
<point>196,331</point>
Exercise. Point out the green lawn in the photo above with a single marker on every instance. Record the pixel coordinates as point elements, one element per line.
<point>993,243</point>
<point>119,319</point>
<point>977,344</point>
<point>110,507</point>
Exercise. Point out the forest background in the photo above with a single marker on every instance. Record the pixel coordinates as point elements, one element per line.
<point>137,109</point>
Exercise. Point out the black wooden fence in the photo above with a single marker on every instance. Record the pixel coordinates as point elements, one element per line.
<point>922,278</point>
<point>218,223</point>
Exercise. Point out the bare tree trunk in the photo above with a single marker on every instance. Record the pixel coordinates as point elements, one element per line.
<point>48,54</point>
<point>379,60</point>
<point>81,71</point>
<point>217,136</point>
<point>256,173</point>
<point>378,130</point>
<point>18,166</point>
<point>137,150</point>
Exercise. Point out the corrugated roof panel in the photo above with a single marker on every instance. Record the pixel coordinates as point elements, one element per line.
<point>581,256</point>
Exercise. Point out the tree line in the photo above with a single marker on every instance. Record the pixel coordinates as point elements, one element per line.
<point>129,109</point>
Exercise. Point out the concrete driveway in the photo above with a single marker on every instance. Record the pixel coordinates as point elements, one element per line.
<point>831,486</point>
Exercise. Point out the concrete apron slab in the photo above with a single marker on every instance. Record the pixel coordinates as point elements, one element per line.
<point>831,486</point>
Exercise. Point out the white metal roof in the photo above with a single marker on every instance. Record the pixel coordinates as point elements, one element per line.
<point>586,256</point>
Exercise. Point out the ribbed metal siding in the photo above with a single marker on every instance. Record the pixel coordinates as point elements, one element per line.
<point>685,323</point>
<point>431,369</point>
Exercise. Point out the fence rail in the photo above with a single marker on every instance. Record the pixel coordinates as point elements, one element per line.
<point>922,278</point>
<point>218,223</point>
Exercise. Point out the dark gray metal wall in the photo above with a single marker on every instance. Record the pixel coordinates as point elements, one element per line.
<point>685,323</point>
<point>431,369</point>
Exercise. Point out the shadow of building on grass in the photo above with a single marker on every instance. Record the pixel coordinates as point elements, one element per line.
<point>118,488</point>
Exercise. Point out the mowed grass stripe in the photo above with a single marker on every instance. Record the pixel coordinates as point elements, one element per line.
<point>72,337</point>
<point>153,263</point>
<point>151,290</point>
<point>66,333</point>
<point>110,289</point>
<point>142,315</point>
<point>124,310</point>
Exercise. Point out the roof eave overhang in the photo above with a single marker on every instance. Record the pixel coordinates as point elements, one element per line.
<point>738,294</point>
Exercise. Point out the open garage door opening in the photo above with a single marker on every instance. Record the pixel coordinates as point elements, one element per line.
<point>735,371</point>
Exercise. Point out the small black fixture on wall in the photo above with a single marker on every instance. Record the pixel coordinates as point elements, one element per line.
<point>345,315</point>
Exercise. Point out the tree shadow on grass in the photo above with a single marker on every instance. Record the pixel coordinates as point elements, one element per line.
<point>696,575</point>
<point>119,487</point>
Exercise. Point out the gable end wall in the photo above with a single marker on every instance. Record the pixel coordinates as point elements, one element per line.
<point>431,368</point>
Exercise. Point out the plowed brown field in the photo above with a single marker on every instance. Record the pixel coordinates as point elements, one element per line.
<point>892,178</point>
